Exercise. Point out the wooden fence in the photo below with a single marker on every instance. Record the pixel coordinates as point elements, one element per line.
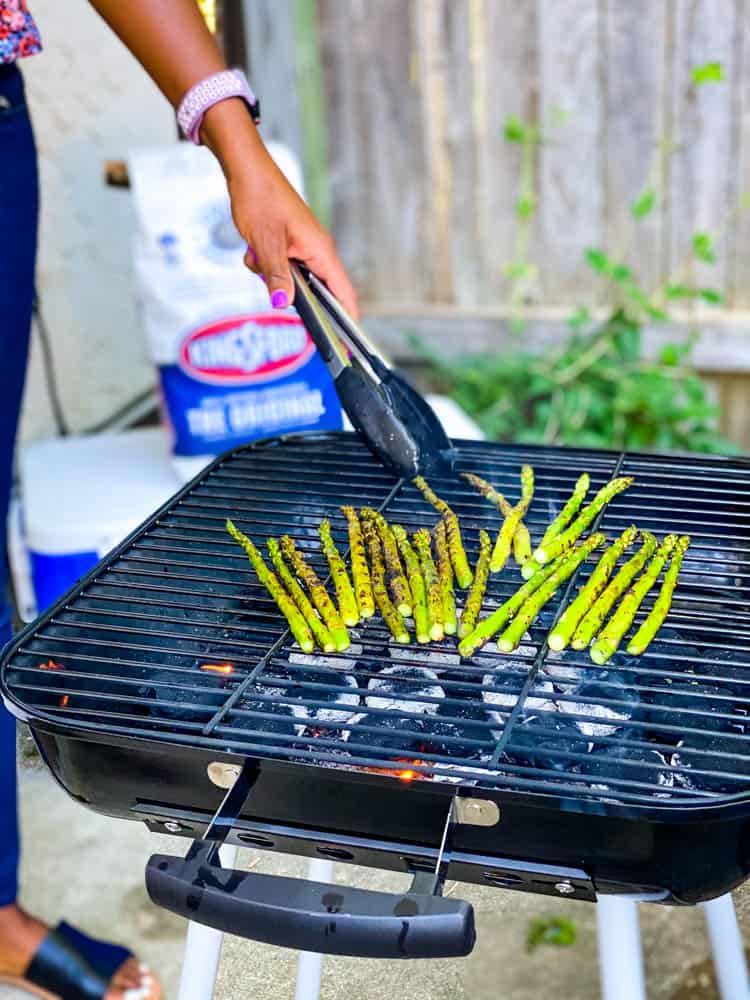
<point>398,107</point>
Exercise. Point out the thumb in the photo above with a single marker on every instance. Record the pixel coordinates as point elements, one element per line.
<point>275,266</point>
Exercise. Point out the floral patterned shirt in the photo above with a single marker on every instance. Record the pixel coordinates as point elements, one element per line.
<point>18,34</point>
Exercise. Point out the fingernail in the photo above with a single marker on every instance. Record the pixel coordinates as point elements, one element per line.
<point>279,299</point>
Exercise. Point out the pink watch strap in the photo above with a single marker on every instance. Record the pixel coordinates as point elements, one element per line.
<point>206,93</point>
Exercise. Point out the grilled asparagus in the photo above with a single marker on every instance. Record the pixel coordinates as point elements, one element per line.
<point>642,638</point>
<point>563,630</point>
<point>344,590</point>
<point>397,582</point>
<point>510,525</point>
<point>321,634</point>
<point>550,550</point>
<point>416,583</point>
<point>491,625</point>
<point>606,643</point>
<point>360,569</point>
<point>297,624</point>
<point>445,575</point>
<point>453,530</point>
<point>526,614</point>
<point>594,618</point>
<point>390,615</point>
<point>522,538</point>
<point>431,582</point>
<point>570,509</point>
<point>318,592</point>
<point>476,595</point>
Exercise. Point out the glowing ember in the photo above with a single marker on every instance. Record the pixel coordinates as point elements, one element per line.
<point>64,701</point>
<point>51,665</point>
<point>405,774</point>
<point>218,668</point>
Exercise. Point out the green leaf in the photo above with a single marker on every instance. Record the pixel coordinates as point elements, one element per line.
<point>579,318</point>
<point>679,292</point>
<point>557,931</point>
<point>620,273</point>
<point>526,206</point>
<point>517,269</point>
<point>597,259</point>
<point>703,247</point>
<point>643,204</point>
<point>710,72</point>
<point>710,295</point>
<point>514,130</point>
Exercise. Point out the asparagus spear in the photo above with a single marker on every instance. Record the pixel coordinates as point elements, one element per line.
<point>642,638</point>
<point>416,583</point>
<point>550,550</point>
<point>391,617</point>
<point>570,509</point>
<point>522,621</point>
<point>431,582</point>
<point>606,643</point>
<point>522,538</point>
<point>360,569</point>
<point>594,618</point>
<point>476,595</point>
<point>344,591</point>
<point>398,584</point>
<point>322,636</point>
<point>318,593</point>
<point>563,630</point>
<point>455,543</point>
<point>484,631</point>
<point>510,525</point>
<point>445,575</point>
<point>297,623</point>
<point>522,544</point>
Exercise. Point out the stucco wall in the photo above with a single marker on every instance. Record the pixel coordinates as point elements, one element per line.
<point>90,102</point>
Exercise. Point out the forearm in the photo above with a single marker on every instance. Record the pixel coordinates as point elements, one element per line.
<point>171,41</point>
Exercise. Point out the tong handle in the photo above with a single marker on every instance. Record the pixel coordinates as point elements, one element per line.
<point>309,916</point>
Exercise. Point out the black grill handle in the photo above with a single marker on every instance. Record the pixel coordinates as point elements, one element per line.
<point>309,916</point>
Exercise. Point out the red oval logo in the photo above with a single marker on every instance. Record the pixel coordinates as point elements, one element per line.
<point>246,350</point>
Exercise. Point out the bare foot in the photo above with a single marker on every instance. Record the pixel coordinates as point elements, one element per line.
<point>21,935</point>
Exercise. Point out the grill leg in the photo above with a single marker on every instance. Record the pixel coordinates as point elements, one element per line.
<point>726,946</point>
<point>310,964</point>
<point>620,959</point>
<point>202,949</point>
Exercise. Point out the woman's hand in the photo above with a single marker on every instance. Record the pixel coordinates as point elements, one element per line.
<point>268,212</point>
<point>172,42</point>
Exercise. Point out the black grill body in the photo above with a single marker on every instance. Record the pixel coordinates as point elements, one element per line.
<point>632,779</point>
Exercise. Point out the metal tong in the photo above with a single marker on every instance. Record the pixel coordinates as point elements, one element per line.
<point>397,423</point>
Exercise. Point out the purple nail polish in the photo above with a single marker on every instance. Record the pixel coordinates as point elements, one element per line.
<point>279,299</point>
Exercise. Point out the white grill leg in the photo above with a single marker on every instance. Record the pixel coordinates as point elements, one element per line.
<point>726,946</point>
<point>620,959</point>
<point>310,964</point>
<point>202,949</point>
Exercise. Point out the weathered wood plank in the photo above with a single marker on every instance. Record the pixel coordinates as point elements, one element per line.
<point>634,59</point>
<point>343,43</point>
<point>739,282</point>
<point>430,65</point>
<point>270,42</point>
<point>723,347</point>
<point>700,176</point>
<point>571,176</point>
<point>506,85</point>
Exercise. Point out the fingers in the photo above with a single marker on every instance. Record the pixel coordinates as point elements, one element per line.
<point>328,267</point>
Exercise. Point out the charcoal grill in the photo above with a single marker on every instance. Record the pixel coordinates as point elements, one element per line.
<point>166,688</point>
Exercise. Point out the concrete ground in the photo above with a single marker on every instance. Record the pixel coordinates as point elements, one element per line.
<point>89,869</point>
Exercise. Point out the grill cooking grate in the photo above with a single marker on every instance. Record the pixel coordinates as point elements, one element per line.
<point>174,639</point>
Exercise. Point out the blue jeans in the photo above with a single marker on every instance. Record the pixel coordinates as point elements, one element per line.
<point>19,203</point>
